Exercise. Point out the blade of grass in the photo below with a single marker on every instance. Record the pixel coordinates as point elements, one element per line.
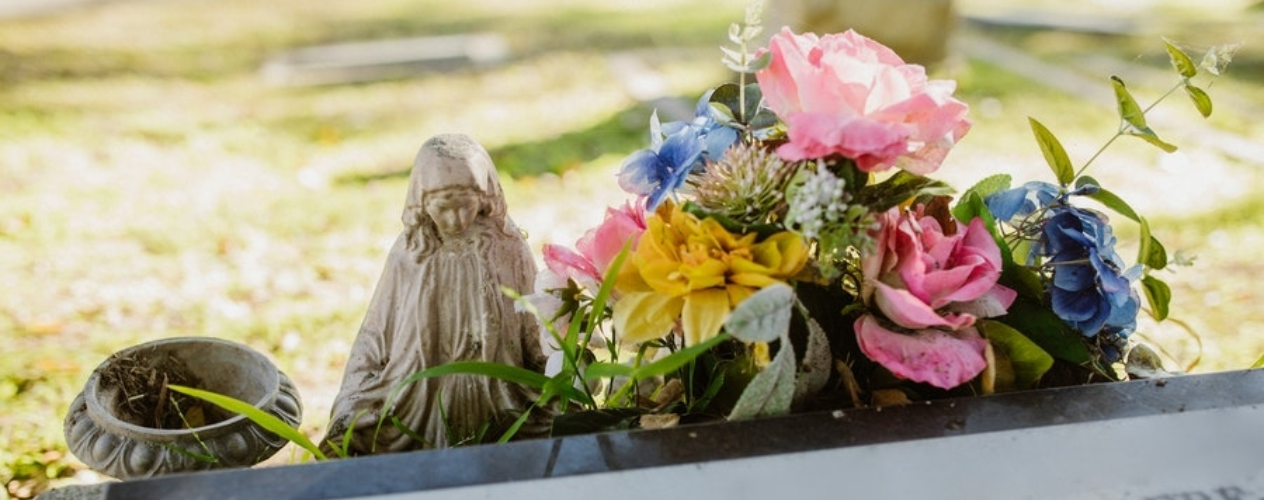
<point>266,420</point>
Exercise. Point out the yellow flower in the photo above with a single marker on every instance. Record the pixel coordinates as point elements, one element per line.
<point>697,271</point>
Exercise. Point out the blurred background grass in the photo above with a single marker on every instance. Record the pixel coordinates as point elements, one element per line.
<point>154,184</point>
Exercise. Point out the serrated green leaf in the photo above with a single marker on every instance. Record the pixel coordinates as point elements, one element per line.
<point>990,185</point>
<point>1180,60</point>
<point>1055,154</point>
<point>1202,101</point>
<point>1108,199</point>
<point>1158,294</point>
<point>762,317</point>
<point>261,418</point>
<point>1129,111</point>
<point>771,392</point>
<point>1029,361</point>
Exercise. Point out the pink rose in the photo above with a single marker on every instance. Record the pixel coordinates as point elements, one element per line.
<point>845,94</point>
<point>598,247</point>
<point>925,287</point>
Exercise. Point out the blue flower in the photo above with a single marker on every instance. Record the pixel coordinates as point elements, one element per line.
<point>718,137</point>
<point>656,172</point>
<point>1021,201</point>
<point>1090,289</point>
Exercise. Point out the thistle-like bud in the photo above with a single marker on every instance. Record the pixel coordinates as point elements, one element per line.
<point>747,185</point>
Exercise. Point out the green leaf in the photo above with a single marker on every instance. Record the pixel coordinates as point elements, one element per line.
<point>771,392</point>
<point>677,359</point>
<point>989,185</point>
<point>762,317</point>
<point>1180,60</point>
<point>608,370</point>
<point>899,188</point>
<point>1135,118</point>
<point>1151,253</point>
<point>1158,294</point>
<point>1150,137</point>
<point>1047,330</point>
<point>1029,361</point>
<point>1055,154</point>
<point>263,419</point>
<point>1201,100</point>
<point>1129,111</point>
<point>1259,363</point>
<point>1108,199</point>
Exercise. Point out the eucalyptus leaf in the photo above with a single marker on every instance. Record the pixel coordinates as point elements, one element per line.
<point>771,392</point>
<point>764,316</point>
<point>760,62</point>
<point>1055,154</point>
<point>1158,294</point>
<point>1201,100</point>
<point>1180,60</point>
<point>1029,361</point>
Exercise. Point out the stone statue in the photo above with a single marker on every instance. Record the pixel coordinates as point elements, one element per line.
<point>440,300</point>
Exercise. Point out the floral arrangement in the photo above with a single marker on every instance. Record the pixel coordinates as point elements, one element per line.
<point>789,249</point>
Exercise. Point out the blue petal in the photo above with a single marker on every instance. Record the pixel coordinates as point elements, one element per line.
<point>679,152</point>
<point>641,173</point>
<point>1074,277</point>
<point>1077,306</point>
<point>718,140</point>
<point>1005,205</point>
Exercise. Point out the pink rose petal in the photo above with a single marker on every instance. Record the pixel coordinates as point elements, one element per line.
<point>935,357</point>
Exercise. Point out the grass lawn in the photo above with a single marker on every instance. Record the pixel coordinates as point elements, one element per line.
<point>154,185</point>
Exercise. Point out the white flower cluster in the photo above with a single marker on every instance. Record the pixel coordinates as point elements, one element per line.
<point>819,202</point>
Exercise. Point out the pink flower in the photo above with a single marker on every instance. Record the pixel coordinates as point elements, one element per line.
<point>845,94</point>
<point>925,286</point>
<point>598,247</point>
<point>603,243</point>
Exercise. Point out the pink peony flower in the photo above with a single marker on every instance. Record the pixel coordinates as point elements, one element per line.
<point>845,94</point>
<point>925,287</point>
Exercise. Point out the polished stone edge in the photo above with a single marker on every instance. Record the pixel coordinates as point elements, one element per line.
<point>575,455</point>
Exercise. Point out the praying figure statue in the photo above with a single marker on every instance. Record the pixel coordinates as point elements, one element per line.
<point>440,300</point>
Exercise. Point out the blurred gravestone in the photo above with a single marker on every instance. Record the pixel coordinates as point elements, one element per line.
<point>918,30</point>
<point>384,59</point>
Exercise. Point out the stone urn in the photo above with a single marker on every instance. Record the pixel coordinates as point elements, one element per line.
<point>108,431</point>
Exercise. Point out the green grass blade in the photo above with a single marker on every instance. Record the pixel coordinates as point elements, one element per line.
<point>268,421</point>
